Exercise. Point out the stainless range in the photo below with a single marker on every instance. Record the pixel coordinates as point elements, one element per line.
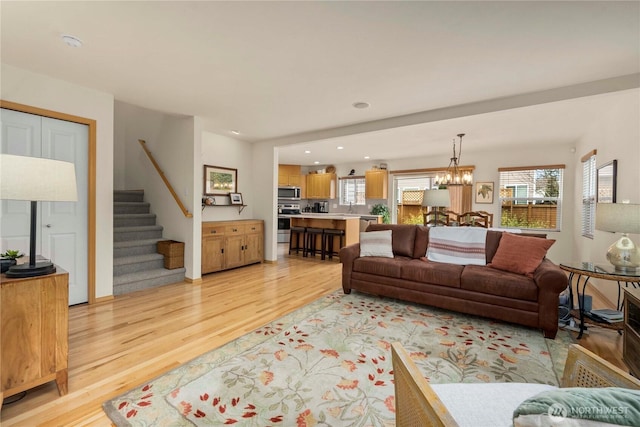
<point>285,210</point>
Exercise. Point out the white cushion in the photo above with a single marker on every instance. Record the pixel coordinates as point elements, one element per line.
<point>376,243</point>
<point>457,245</point>
<point>485,404</point>
<point>544,420</point>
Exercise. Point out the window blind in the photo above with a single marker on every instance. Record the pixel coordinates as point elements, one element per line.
<point>588,195</point>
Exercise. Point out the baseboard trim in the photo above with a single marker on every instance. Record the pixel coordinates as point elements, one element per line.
<point>103,299</point>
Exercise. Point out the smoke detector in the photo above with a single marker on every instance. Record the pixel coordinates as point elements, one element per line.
<point>71,41</point>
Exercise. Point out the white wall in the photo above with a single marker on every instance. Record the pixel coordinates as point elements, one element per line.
<point>227,152</point>
<point>615,135</point>
<point>36,90</point>
<point>170,140</point>
<point>256,182</point>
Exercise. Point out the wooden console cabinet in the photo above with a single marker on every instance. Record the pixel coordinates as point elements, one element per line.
<point>230,244</point>
<point>631,339</point>
<point>35,332</point>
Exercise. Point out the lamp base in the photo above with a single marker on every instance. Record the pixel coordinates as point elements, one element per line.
<point>624,255</point>
<point>26,270</point>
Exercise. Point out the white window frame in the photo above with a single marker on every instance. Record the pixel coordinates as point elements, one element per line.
<point>352,191</point>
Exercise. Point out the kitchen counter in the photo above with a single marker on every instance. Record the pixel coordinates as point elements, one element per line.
<point>350,223</point>
<point>338,216</point>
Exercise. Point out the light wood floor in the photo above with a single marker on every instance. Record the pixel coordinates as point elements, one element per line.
<point>117,345</point>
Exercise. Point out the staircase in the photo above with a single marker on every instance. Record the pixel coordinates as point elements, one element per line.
<point>136,264</point>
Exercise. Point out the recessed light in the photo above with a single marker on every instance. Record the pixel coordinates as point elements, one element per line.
<point>307,152</point>
<point>361,104</point>
<point>72,41</point>
<point>316,162</point>
<point>340,148</point>
<point>235,132</point>
<point>367,157</point>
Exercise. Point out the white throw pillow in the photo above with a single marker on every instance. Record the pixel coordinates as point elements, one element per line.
<point>376,243</point>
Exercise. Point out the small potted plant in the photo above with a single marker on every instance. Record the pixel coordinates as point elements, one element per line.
<point>383,210</point>
<point>9,258</point>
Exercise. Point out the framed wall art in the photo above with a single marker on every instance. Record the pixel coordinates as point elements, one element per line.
<point>484,192</point>
<point>606,182</point>
<point>219,180</point>
<point>236,198</point>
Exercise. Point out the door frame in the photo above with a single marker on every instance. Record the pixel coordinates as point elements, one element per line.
<point>91,221</point>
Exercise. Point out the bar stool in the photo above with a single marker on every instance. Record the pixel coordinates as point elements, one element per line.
<point>297,232</point>
<point>310,246</point>
<point>327,241</point>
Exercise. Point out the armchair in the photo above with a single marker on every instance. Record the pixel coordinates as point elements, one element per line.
<point>420,404</point>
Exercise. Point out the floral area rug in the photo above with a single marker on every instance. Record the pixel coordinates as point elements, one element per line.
<point>329,363</point>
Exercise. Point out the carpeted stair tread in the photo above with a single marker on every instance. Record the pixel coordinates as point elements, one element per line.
<point>145,275</point>
<point>131,243</point>
<point>128,195</point>
<point>131,204</point>
<point>134,215</point>
<point>136,259</point>
<point>137,228</point>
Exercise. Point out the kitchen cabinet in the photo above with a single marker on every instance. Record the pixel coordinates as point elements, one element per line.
<point>321,186</point>
<point>375,184</point>
<point>291,176</point>
<point>231,244</point>
<point>35,332</point>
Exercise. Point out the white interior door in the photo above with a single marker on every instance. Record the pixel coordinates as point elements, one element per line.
<point>62,227</point>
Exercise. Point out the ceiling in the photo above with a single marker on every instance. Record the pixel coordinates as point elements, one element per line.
<point>291,71</point>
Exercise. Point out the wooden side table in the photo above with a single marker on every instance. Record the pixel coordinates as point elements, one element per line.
<point>34,332</point>
<point>587,270</point>
<point>631,340</point>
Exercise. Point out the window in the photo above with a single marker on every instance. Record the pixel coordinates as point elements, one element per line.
<point>531,197</point>
<point>352,191</point>
<point>588,194</point>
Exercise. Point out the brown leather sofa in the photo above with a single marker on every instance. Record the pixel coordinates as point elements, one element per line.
<point>472,289</point>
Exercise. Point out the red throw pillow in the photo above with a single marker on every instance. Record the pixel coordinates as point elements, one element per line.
<point>520,254</point>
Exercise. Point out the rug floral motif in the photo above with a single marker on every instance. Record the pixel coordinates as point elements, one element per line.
<point>329,364</point>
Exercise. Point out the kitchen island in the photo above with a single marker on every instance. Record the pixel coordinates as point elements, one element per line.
<point>350,223</point>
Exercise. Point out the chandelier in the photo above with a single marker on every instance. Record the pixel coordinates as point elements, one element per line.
<point>453,174</point>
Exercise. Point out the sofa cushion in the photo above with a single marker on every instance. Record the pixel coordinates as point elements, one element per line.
<point>436,273</point>
<point>376,244</point>
<point>520,254</point>
<point>389,267</point>
<point>421,241</point>
<point>493,240</point>
<point>403,237</point>
<point>491,281</point>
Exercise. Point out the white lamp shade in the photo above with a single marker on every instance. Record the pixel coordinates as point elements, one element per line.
<point>618,217</point>
<point>36,179</point>
<point>436,198</point>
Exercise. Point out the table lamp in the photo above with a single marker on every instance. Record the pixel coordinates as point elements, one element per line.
<point>35,179</point>
<point>437,199</point>
<point>620,218</point>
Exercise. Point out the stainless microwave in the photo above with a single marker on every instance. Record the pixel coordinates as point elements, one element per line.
<point>289,193</point>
